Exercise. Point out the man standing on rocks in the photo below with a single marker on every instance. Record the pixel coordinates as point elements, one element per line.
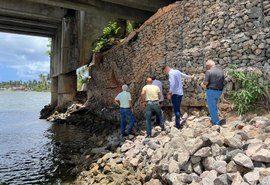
<point>150,99</point>
<point>126,110</point>
<point>176,90</point>
<point>214,83</point>
<point>159,84</point>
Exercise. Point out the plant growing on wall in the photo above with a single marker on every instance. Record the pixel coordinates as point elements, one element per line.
<point>249,92</point>
<point>108,37</point>
<point>114,33</point>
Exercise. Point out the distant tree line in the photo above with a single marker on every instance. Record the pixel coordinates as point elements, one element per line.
<point>43,84</point>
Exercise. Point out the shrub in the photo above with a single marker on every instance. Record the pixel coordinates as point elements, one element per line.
<point>249,92</point>
<point>108,37</point>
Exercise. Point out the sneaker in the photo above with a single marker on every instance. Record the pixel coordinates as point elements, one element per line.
<point>131,133</point>
<point>124,135</point>
<point>162,128</point>
<point>146,140</point>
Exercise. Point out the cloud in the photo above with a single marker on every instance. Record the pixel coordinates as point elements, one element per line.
<point>24,54</point>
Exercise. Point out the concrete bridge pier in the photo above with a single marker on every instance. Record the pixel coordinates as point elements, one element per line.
<point>63,89</point>
<point>54,91</point>
<point>67,86</point>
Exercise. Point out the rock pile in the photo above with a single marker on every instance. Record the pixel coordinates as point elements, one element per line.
<point>237,153</point>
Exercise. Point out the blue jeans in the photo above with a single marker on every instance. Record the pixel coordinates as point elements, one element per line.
<point>212,101</point>
<point>124,114</point>
<point>153,107</point>
<point>176,101</point>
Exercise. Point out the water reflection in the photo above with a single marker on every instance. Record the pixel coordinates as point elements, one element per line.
<point>34,151</point>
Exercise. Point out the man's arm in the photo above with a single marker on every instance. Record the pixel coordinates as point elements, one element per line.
<point>204,84</point>
<point>131,105</point>
<point>172,83</point>
<point>143,97</point>
<point>116,102</point>
<point>206,80</point>
<point>183,75</point>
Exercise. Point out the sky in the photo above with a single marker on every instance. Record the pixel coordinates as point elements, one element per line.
<point>23,57</point>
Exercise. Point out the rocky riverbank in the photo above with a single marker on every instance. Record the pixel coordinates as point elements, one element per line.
<point>235,153</point>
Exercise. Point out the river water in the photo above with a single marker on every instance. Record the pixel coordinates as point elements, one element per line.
<point>34,151</point>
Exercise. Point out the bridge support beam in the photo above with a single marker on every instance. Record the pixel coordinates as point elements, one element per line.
<point>54,91</point>
<point>67,85</point>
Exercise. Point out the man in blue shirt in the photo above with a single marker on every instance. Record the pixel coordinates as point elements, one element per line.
<point>176,91</point>
<point>123,99</point>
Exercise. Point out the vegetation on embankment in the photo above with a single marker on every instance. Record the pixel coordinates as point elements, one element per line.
<point>43,84</point>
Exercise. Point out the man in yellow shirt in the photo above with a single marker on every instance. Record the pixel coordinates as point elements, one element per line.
<point>150,99</point>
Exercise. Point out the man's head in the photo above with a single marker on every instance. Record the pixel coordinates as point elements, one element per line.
<point>149,80</point>
<point>124,87</point>
<point>166,69</point>
<point>209,64</point>
<point>153,78</point>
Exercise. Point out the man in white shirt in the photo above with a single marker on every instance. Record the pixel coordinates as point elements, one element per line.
<point>176,90</point>
<point>123,99</point>
<point>159,84</point>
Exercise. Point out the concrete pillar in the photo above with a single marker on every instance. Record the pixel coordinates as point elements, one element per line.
<point>67,85</point>
<point>54,91</point>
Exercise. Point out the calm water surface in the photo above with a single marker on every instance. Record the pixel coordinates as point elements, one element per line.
<point>33,151</point>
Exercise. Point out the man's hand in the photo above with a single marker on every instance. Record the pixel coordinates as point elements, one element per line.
<point>203,85</point>
<point>169,96</point>
<point>192,76</point>
<point>144,104</point>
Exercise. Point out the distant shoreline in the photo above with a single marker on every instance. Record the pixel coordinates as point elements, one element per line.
<point>14,89</point>
<point>21,89</point>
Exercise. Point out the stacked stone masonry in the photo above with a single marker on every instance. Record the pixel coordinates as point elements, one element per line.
<point>185,35</point>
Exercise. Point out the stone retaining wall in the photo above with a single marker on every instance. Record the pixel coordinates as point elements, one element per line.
<point>184,35</point>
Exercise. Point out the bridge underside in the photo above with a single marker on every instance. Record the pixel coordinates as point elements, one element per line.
<point>73,25</point>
